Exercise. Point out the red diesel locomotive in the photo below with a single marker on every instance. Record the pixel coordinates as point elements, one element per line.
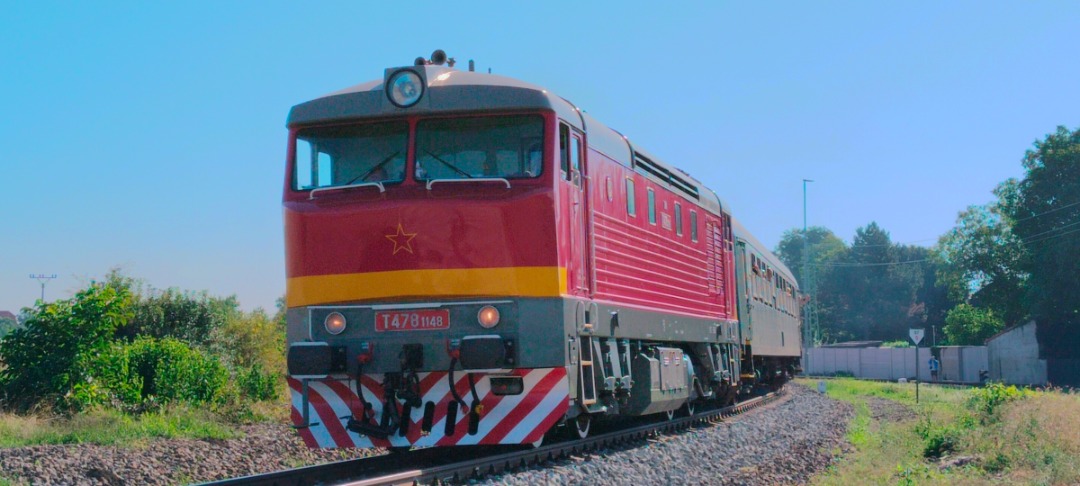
<point>472,259</point>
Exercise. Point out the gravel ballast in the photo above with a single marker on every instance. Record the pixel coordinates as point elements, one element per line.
<point>781,443</point>
<point>264,448</point>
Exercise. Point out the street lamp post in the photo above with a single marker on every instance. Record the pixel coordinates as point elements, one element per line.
<point>42,279</point>
<point>808,332</point>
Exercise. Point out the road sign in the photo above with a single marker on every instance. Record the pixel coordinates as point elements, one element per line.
<point>916,335</point>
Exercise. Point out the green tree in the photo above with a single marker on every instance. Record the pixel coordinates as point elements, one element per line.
<point>971,326</point>
<point>873,290</point>
<point>982,260</point>
<point>824,248</point>
<point>47,358</point>
<point>1044,209</point>
<point>879,300</point>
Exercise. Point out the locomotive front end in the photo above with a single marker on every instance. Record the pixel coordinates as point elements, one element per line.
<point>423,276</point>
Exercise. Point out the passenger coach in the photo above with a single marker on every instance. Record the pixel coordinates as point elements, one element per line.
<point>472,259</point>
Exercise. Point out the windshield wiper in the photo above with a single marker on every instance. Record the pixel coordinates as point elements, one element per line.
<point>373,169</point>
<point>448,164</point>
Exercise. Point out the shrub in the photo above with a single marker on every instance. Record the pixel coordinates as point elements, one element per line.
<point>985,401</point>
<point>257,384</point>
<point>172,371</point>
<point>48,359</point>
<point>149,372</point>
<point>250,339</point>
<point>938,440</point>
<point>254,344</point>
<point>192,317</point>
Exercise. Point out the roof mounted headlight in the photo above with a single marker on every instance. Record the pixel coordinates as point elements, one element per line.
<point>405,88</point>
<point>335,323</point>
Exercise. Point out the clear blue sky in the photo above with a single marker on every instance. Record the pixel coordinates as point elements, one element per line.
<point>150,135</point>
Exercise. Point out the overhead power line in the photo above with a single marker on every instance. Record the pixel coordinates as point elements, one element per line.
<point>1040,240</point>
<point>884,264</point>
<point>1051,230</point>
<point>1048,212</point>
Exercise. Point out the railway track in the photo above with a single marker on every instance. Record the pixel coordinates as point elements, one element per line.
<point>456,465</point>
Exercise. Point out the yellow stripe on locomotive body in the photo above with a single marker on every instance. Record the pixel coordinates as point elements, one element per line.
<point>461,282</point>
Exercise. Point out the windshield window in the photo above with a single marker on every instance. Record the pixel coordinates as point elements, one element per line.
<point>341,156</point>
<point>509,147</point>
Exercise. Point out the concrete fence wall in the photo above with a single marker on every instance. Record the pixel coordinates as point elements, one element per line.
<point>960,364</point>
<point>1014,357</point>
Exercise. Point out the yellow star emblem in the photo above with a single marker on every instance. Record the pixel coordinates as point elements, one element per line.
<point>402,240</point>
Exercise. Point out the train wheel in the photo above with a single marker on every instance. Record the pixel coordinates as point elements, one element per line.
<point>581,425</point>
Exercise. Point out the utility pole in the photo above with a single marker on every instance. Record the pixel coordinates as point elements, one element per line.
<point>42,279</point>
<point>809,314</point>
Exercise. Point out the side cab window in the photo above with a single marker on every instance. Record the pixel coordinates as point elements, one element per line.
<point>564,150</point>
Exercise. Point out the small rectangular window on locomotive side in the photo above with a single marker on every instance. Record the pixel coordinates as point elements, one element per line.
<point>693,225</point>
<point>678,219</point>
<point>575,160</point>
<point>631,199</point>
<point>564,150</point>
<point>652,206</point>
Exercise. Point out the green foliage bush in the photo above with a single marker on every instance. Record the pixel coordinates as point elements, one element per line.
<point>900,343</point>
<point>254,343</point>
<point>257,384</point>
<point>113,346</point>
<point>149,372</point>
<point>939,440</point>
<point>986,401</point>
<point>192,317</point>
<point>48,359</point>
<point>173,371</point>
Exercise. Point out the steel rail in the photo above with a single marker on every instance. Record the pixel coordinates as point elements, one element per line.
<point>446,464</point>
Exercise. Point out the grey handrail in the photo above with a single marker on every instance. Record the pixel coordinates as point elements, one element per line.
<point>475,179</point>
<point>350,186</point>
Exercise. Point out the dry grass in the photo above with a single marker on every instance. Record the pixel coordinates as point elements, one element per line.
<point>1035,441</point>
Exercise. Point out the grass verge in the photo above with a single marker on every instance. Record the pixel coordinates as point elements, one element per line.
<point>992,435</point>
<point>110,427</point>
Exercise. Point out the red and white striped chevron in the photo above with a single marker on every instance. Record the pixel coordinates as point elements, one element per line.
<point>507,419</point>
